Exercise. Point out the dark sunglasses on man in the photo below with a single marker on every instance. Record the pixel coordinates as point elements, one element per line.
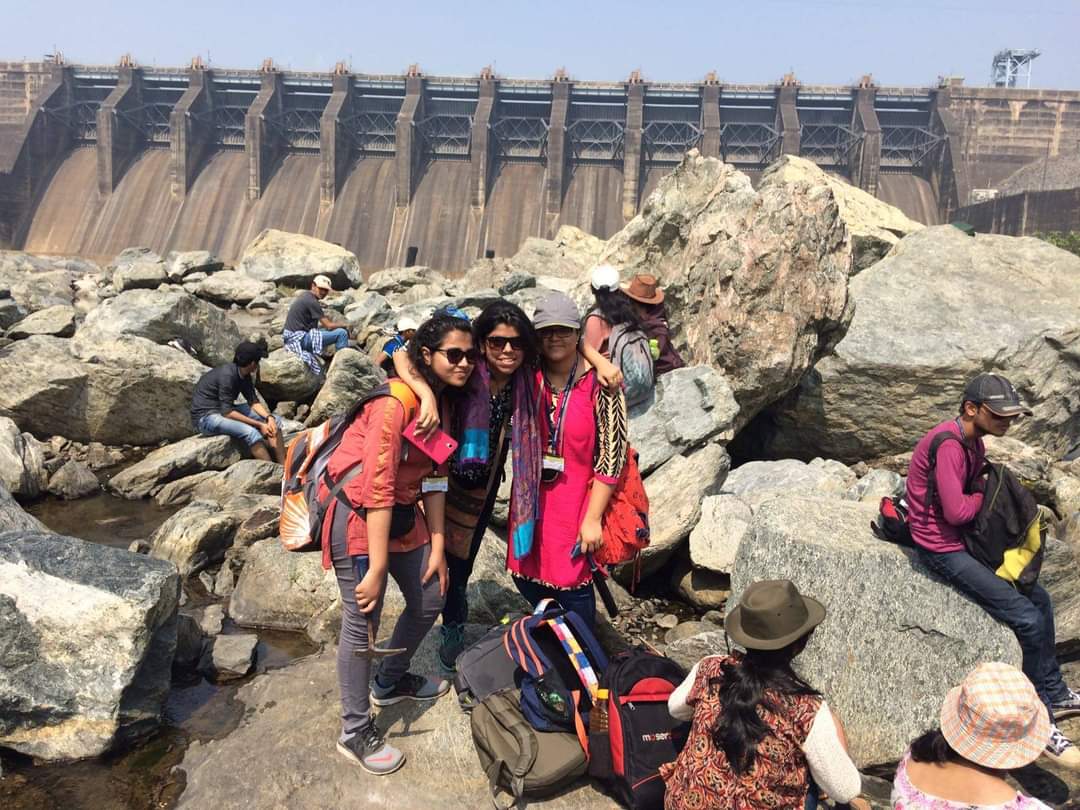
<point>454,355</point>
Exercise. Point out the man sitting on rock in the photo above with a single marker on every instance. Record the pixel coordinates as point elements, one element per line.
<point>214,411</point>
<point>307,327</point>
<point>937,516</point>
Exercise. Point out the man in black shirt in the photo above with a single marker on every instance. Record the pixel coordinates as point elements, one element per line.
<point>214,410</point>
<point>307,327</point>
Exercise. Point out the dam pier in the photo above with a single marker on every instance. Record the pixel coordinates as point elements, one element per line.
<point>434,170</point>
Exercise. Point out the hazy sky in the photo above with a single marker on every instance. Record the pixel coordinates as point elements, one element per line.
<point>826,41</point>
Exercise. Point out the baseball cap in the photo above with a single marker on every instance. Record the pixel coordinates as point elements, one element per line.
<point>604,277</point>
<point>557,310</point>
<point>323,283</point>
<point>405,323</point>
<point>997,394</point>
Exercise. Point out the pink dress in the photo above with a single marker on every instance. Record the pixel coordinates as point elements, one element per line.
<point>563,502</point>
<point>905,796</point>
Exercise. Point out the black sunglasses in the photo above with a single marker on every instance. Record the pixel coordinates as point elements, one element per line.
<point>498,343</point>
<point>454,355</point>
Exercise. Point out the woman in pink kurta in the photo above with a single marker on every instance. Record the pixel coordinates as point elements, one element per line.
<point>583,433</point>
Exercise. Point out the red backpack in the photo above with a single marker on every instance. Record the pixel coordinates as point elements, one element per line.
<point>626,521</point>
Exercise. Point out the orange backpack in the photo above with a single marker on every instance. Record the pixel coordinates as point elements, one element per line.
<point>625,523</point>
<point>302,511</point>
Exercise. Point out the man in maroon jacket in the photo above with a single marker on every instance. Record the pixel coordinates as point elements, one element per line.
<point>937,517</point>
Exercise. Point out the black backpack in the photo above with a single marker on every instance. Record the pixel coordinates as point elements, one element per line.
<point>641,734</point>
<point>484,668</point>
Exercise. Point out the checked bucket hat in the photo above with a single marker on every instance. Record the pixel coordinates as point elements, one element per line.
<point>995,719</point>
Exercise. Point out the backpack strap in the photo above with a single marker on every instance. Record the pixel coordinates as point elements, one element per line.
<point>510,719</point>
<point>579,724</point>
<point>935,445</point>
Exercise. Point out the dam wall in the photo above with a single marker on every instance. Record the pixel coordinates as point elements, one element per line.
<point>449,169</point>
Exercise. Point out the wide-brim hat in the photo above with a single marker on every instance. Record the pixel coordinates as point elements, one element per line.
<point>771,614</point>
<point>995,719</point>
<point>644,289</point>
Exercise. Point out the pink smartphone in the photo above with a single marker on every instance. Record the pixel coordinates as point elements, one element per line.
<point>439,446</point>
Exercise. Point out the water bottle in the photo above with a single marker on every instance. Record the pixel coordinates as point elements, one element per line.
<point>598,714</point>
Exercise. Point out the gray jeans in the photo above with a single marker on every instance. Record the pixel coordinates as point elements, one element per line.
<point>422,606</point>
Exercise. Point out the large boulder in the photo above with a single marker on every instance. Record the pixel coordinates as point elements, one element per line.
<point>57,320</point>
<point>136,267</point>
<point>164,315</point>
<point>407,285</point>
<point>72,481</point>
<point>675,492</point>
<point>285,377</point>
<point>13,517</point>
<point>89,634</point>
<point>758,277</point>
<point>293,259</point>
<point>186,457</point>
<point>873,226</point>
<point>350,376</point>
<point>232,287</point>
<point>182,263</point>
<point>941,308</point>
<point>196,536</point>
<point>894,639</point>
<point>22,461</point>
<point>249,476</point>
<point>124,391</point>
<point>691,406</point>
<point>38,282</point>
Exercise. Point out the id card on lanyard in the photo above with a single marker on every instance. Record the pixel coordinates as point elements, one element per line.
<point>553,462</point>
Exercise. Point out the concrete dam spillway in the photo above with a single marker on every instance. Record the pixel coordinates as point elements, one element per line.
<point>441,171</point>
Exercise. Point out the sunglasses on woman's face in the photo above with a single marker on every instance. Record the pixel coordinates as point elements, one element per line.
<point>455,356</point>
<point>498,343</point>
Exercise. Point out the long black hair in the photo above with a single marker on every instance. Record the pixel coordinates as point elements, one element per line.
<point>934,748</point>
<point>743,687</point>
<point>503,312</point>
<point>429,335</point>
<point>616,307</point>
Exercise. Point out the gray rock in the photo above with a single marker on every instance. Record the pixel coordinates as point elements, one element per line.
<point>137,268</point>
<point>12,516</point>
<point>516,281</point>
<point>692,405</point>
<point>1032,465</point>
<point>686,630</point>
<point>895,640</point>
<point>89,636</point>
<point>916,340</point>
<point>261,523</point>
<point>231,287</point>
<point>441,769</point>
<point>186,457</point>
<point>666,620</point>
<point>758,481</point>
<point>715,539</point>
<point>36,282</point>
<point>875,485</point>
<point>212,619</point>
<point>398,281</point>
<point>294,259</point>
<point>164,315</point>
<point>700,587</point>
<point>58,321</point>
<point>688,651</point>
<point>284,376</point>
<point>491,592</point>
<point>180,264</point>
<point>180,491</point>
<point>758,277</point>
<point>189,643</point>
<point>225,581</point>
<point>230,657</point>
<point>195,536</point>
<point>675,492</point>
<point>280,589</point>
<point>130,390</point>
<point>351,375</point>
<point>22,461</point>
<point>73,480</point>
<point>246,477</point>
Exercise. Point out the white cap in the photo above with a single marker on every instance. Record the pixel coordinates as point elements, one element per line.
<point>605,277</point>
<point>405,323</point>
<point>323,283</point>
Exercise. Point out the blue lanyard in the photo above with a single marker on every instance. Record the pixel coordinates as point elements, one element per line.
<point>555,427</point>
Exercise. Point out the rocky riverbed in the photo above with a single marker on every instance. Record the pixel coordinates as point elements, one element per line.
<point>190,658</point>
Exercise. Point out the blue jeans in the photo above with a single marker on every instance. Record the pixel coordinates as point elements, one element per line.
<point>339,337</point>
<point>580,600</point>
<point>1030,616</point>
<point>214,424</point>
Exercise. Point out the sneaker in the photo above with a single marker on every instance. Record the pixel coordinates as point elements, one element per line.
<point>453,643</point>
<point>1061,750</point>
<point>370,751</point>
<point>410,687</point>
<point>1067,706</point>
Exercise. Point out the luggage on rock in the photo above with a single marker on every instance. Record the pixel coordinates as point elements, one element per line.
<point>484,668</point>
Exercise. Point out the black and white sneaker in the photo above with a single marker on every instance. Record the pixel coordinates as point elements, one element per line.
<point>1066,707</point>
<point>1061,749</point>
<point>370,751</point>
<point>409,687</point>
